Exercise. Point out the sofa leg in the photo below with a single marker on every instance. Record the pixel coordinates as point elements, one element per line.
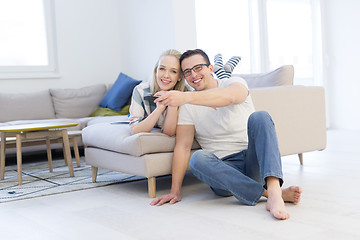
<point>152,187</point>
<point>301,158</point>
<point>94,171</point>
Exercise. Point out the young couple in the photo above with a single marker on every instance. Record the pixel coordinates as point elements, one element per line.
<point>240,155</point>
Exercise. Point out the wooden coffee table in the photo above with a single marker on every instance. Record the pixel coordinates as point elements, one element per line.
<point>35,134</point>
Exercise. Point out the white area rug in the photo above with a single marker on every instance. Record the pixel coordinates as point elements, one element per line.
<point>38,181</point>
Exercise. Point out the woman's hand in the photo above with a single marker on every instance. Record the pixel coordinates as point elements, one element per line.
<point>160,105</point>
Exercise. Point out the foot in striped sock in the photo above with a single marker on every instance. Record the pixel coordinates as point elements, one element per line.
<point>221,73</point>
<point>219,67</point>
<point>218,62</point>
<point>231,64</point>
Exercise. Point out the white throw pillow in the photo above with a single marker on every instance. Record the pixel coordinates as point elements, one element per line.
<point>77,103</point>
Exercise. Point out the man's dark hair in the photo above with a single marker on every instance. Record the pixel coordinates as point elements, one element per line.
<point>190,53</point>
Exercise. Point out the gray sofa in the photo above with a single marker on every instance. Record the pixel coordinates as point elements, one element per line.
<point>75,105</point>
<point>298,113</point>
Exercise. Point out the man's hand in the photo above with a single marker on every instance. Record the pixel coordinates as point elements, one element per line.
<point>173,98</point>
<point>170,198</point>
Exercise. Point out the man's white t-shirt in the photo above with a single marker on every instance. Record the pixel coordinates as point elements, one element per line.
<point>222,131</point>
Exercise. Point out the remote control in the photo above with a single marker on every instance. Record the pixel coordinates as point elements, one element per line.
<point>120,122</point>
<point>150,97</point>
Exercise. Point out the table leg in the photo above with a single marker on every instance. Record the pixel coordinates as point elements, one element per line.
<point>64,153</point>
<point>67,151</point>
<point>49,155</point>
<point>2,153</point>
<point>19,157</point>
<point>76,151</point>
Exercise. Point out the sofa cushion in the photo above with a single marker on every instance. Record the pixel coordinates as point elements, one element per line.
<point>109,112</point>
<point>283,75</point>
<point>26,106</point>
<point>119,93</point>
<point>77,103</point>
<point>117,138</point>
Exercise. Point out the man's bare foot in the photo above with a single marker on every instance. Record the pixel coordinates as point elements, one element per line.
<point>275,204</point>
<point>292,194</point>
<point>277,197</point>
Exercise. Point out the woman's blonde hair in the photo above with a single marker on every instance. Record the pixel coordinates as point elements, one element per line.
<point>180,85</point>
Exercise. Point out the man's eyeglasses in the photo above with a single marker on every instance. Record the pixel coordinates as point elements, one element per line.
<point>196,68</point>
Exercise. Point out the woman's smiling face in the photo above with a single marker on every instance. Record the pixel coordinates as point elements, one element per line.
<point>168,73</point>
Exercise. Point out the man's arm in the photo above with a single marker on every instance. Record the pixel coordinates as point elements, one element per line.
<point>235,93</point>
<point>184,140</point>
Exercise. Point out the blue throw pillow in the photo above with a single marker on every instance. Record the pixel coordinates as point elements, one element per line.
<point>119,93</point>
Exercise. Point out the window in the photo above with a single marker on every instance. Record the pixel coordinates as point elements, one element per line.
<point>26,39</point>
<point>266,34</point>
<point>290,36</point>
<point>223,27</point>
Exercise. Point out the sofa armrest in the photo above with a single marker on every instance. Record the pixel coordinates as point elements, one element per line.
<point>117,138</point>
<point>299,116</point>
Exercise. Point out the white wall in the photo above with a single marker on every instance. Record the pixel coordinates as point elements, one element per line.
<point>98,39</point>
<point>89,41</point>
<point>342,39</point>
<point>150,27</point>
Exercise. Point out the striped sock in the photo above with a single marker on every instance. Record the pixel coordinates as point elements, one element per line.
<point>221,73</point>
<point>218,62</point>
<point>219,67</point>
<point>231,64</point>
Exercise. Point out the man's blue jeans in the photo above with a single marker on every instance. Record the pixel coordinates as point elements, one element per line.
<point>243,174</point>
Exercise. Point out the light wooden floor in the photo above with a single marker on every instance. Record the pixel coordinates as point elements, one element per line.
<point>329,208</point>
